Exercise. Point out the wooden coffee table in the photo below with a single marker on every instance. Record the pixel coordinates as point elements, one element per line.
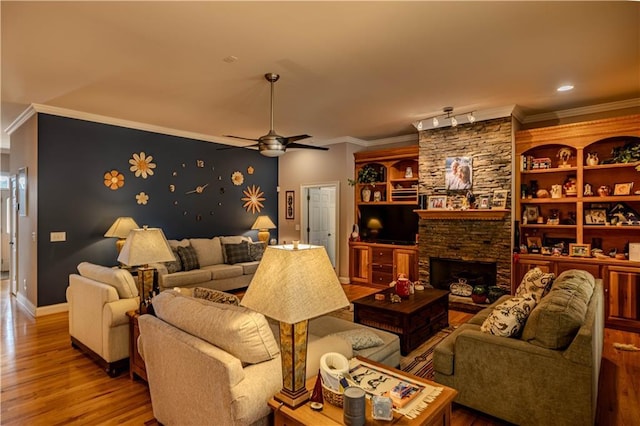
<point>437,413</point>
<point>414,320</point>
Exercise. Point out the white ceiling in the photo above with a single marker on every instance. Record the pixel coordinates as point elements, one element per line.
<point>359,69</point>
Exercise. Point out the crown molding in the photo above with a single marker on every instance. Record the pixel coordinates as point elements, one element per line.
<point>574,112</point>
<point>97,118</point>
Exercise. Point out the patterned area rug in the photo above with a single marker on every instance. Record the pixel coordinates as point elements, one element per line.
<point>420,361</point>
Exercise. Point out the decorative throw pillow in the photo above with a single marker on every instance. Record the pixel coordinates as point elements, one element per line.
<point>188,258</point>
<point>176,265</point>
<point>508,318</point>
<point>360,339</point>
<point>256,250</point>
<point>536,283</point>
<point>237,253</point>
<point>216,296</point>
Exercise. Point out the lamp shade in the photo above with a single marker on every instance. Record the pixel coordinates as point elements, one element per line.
<point>144,246</point>
<point>263,222</point>
<point>292,285</point>
<point>121,227</point>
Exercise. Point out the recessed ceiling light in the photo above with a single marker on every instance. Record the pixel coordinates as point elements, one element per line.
<point>565,88</point>
<point>230,59</point>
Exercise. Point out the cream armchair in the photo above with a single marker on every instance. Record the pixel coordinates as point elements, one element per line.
<point>99,299</point>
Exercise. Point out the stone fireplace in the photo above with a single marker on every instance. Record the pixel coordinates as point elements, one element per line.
<point>444,271</point>
<point>478,243</point>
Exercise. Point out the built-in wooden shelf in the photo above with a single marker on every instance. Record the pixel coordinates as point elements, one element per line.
<point>471,214</point>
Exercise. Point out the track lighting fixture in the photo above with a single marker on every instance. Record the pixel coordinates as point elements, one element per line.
<point>454,119</point>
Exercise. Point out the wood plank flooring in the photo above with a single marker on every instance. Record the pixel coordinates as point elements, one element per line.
<point>46,382</point>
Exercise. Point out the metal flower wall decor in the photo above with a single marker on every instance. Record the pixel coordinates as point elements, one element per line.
<point>253,199</point>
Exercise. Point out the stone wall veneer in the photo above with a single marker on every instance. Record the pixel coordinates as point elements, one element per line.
<point>490,145</point>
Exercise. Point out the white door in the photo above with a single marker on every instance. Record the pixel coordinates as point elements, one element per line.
<point>319,218</point>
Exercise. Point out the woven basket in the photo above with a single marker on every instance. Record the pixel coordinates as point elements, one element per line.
<point>332,397</point>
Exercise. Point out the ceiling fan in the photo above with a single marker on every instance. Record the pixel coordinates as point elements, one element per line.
<point>272,144</point>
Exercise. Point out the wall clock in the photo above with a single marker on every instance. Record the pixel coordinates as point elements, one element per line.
<point>192,187</point>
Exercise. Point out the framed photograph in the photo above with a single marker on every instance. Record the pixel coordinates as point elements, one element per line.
<point>484,202</point>
<point>595,216</point>
<point>499,200</point>
<point>437,202</point>
<point>531,213</point>
<point>580,250</point>
<point>545,251</point>
<point>458,173</point>
<point>290,205</point>
<point>534,242</point>
<point>623,188</point>
<point>22,191</point>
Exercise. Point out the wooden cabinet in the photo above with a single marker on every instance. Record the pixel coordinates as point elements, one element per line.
<point>397,171</point>
<point>560,204</point>
<point>379,264</point>
<point>622,291</point>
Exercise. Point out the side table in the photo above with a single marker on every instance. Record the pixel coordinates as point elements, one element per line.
<point>136,363</point>
<point>437,413</point>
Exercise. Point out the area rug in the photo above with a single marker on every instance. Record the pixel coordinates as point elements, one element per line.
<point>419,362</point>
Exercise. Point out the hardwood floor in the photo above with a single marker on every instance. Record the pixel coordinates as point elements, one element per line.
<point>46,382</point>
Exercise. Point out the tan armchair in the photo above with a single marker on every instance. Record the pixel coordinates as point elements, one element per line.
<point>99,298</point>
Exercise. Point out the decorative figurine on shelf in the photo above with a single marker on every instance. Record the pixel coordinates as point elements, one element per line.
<point>564,154</point>
<point>588,191</point>
<point>592,159</point>
<point>556,191</point>
<point>604,190</point>
<point>570,186</point>
<point>317,400</point>
<point>355,233</point>
<point>471,199</point>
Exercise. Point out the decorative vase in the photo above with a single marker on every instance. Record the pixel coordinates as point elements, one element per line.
<point>403,287</point>
<point>592,159</point>
<point>366,194</point>
<point>479,294</point>
<point>377,196</point>
<point>495,293</point>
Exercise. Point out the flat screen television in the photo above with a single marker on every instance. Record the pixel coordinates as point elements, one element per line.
<point>388,224</point>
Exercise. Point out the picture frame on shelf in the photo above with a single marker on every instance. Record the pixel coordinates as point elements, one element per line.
<point>484,202</point>
<point>531,213</point>
<point>623,188</point>
<point>594,216</point>
<point>437,202</point>
<point>499,199</point>
<point>534,242</point>
<point>580,250</point>
<point>290,205</point>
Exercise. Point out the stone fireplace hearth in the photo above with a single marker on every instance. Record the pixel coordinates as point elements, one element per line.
<point>480,241</point>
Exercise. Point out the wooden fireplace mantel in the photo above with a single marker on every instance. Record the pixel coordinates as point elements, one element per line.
<point>470,214</point>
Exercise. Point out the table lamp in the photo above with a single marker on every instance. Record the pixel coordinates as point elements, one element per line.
<point>144,246</point>
<point>291,286</point>
<point>120,230</point>
<point>263,224</point>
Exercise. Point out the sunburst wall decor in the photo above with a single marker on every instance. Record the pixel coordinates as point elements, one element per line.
<point>253,199</point>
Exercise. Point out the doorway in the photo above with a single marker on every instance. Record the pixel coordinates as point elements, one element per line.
<point>319,211</point>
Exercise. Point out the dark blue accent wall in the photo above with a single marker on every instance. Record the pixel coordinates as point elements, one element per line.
<point>74,155</point>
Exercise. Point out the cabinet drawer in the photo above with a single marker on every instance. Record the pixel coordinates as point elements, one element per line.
<point>382,255</point>
<point>378,277</point>
<point>377,267</point>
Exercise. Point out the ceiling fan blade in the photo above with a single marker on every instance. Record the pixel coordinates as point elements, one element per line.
<point>289,139</point>
<point>299,145</point>
<point>240,137</point>
<point>255,145</point>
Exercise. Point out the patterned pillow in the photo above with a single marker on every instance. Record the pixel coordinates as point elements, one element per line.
<point>188,258</point>
<point>508,318</point>
<point>176,265</point>
<point>237,253</point>
<point>360,339</point>
<point>256,250</point>
<point>215,296</point>
<point>536,283</point>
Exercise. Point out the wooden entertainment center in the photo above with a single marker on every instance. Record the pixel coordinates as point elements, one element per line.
<point>558,178</point>
<point>379,261</point>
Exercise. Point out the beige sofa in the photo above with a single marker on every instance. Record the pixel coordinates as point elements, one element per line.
<point>221,263</point>
<point>99,298</point>
<point>548,374</point>
<point>209,361</point>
